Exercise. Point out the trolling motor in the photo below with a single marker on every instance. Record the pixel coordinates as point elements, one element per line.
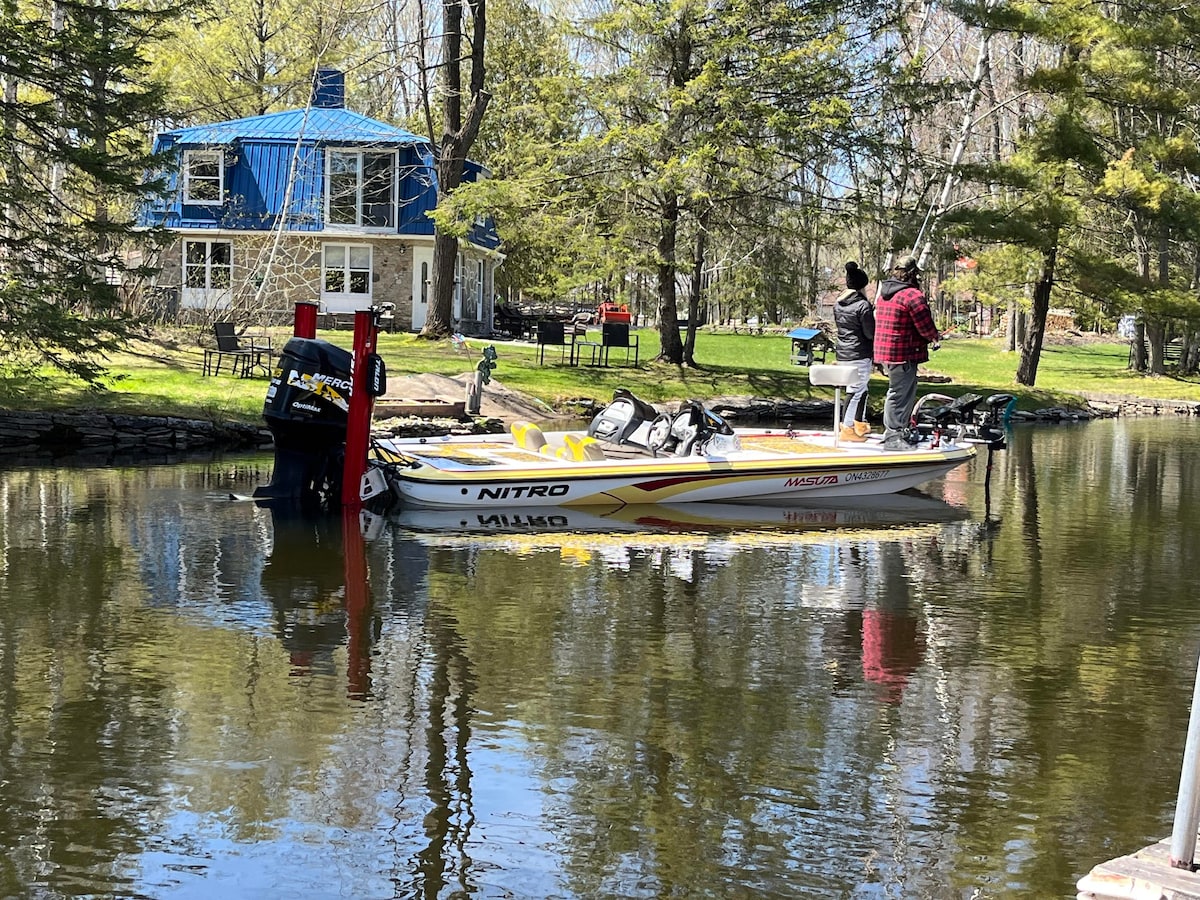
<point>962,420</point>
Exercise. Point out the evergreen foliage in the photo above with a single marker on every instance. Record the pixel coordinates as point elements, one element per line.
<point>73,120</point>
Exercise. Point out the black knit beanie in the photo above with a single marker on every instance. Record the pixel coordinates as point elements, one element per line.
<point>856,278</point>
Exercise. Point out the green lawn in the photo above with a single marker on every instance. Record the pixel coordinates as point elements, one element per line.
<point>163,377</point>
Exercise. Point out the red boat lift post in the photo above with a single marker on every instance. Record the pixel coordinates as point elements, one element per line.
<point>358,423</point>
<point>304,320</point>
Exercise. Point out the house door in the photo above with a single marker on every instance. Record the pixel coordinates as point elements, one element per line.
<point>422,285</point>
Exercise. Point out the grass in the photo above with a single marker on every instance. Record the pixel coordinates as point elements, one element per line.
<point>161,375</point>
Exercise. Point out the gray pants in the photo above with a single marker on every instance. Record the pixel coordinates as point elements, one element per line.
<point>901,397</point>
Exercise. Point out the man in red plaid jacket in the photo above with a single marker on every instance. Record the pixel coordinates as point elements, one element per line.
<point>904,330</point>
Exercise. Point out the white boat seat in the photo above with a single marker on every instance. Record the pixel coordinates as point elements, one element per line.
<point>527,436</point>
<point>836,377</point>
<point>832,376</point>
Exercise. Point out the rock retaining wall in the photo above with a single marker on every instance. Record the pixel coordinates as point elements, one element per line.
<point>111,435</point>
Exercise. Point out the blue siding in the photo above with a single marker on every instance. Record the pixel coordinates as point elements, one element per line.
<point>418,191</point>
<point>258,156</point>
<point>257,186</point>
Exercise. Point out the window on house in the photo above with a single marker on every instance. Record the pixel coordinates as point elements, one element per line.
<point>207,272</point>
<point>424,282</point>
<point>458,288</point>
<point>362,189</point>
<point>346,271</point>
<point>203,176</point>
<point>479,293</point>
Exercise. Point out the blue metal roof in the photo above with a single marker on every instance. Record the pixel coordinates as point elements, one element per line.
<point>322,126</point>
<point>804,334</point>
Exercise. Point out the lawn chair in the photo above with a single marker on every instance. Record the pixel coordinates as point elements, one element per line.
<point>617,334</point>
<point>551,334</point>
<point>243,358</point>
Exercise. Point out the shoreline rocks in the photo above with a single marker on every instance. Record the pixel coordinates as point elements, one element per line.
<point>110,437</point>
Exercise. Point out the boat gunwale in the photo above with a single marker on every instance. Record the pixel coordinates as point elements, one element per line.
<point>427,472</point>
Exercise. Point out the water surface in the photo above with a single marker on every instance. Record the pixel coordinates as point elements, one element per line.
<point>959,693</point>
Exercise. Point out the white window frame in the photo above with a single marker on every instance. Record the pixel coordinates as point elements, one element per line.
<point>359,155</point>
<point>190,157</point>
<point>346,300</point>
<point>206,296</point>
<point>458,287</point>
<point>479,292</point>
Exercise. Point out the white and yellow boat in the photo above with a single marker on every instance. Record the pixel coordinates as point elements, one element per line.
<point>632,455</point>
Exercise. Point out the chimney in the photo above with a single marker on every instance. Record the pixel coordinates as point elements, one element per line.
<point>329,89</point>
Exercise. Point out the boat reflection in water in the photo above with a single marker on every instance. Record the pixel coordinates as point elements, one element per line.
<point>316,579</point>
<point>909,508</point>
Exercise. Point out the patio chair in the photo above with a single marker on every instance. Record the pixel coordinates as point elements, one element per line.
<point>243,357</point>
<point>617,334</point>
<point>551,334</point>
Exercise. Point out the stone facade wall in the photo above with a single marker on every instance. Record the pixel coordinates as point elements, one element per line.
<point>297,269</point>
<point>297,272</point>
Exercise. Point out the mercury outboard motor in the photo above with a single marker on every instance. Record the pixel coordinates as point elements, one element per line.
<point>306,410</point>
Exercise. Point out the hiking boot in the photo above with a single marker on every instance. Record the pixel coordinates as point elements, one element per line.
<point>896,442</point>
<point>850,435</point>
<point>862,428</point>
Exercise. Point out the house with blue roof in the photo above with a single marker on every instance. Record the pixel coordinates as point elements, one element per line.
<point>318,204</point>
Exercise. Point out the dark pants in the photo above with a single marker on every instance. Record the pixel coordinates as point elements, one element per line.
<point>901,398</point>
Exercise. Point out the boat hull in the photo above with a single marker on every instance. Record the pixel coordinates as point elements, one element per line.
<point>458,473</point>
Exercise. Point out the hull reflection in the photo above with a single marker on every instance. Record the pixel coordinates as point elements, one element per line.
<point>885,512</point>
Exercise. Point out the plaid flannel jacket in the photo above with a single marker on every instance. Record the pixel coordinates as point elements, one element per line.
<point>904,326</point>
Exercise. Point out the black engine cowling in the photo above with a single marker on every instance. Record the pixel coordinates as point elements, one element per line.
<point>306,409</point>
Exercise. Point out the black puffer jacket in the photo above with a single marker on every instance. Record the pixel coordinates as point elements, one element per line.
<point>855,319</point>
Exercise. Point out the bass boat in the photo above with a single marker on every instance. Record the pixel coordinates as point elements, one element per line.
<point>630,454</point>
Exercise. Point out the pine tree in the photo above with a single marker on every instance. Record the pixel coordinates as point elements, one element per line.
<point>76,103</point>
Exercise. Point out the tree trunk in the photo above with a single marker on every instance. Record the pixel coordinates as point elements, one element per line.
<point>668,310</point>
<point>1138,358</point>
<point>1031,347</point>
<point>697,286</point>
<point>458,135</point>
<point>1156,338</point>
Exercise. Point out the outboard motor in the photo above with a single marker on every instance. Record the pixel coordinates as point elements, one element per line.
<point>306,410</point>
